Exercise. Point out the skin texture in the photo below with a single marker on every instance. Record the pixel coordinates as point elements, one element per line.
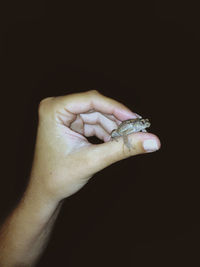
<point>64,161</point>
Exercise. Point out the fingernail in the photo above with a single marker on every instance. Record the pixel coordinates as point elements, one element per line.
<point>150,145</point>
<point>135,116</point>
<point>138,116</point>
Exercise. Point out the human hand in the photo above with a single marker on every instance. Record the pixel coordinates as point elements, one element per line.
<point>64,160</point>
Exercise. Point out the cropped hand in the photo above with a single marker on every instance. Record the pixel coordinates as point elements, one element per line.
<point>64,160</point>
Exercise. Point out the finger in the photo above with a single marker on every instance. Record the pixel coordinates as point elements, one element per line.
<point>98,118</point>
<point>77,125</point>
<point>93,100</point>
<point>96,130</point>
<point>103,155</point>
<point>113,118</point>
<point>108,122</point>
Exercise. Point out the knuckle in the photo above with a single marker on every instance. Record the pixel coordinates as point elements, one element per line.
<point>94,92</point>
<point>44,105</point>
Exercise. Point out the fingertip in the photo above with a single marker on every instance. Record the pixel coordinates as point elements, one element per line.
<point>150,142</point>
<point>150,145</point>
<point>126,114</point>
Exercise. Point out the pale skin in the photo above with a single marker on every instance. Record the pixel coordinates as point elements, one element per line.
<point>64,161</point>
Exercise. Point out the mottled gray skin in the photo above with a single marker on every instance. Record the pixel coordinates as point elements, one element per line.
<point>130,126</point>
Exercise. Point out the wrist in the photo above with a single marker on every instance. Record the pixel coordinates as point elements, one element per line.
<point>39,202</point>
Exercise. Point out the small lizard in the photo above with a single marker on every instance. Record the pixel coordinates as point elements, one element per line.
<point>130,126</point>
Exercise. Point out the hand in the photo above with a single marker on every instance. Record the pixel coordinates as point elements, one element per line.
<point>64,160</point>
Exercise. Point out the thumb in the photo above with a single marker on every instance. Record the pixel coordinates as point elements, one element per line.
<point>108,153</point>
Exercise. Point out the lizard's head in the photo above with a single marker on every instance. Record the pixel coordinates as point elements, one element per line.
<point>144,123</point>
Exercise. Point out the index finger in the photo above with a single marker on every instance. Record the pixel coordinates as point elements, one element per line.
<point>93,100</point>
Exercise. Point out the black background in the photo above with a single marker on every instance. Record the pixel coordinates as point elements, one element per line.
<point>143,210</point>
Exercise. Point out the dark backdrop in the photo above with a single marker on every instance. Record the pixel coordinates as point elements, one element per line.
<point>143,210</point>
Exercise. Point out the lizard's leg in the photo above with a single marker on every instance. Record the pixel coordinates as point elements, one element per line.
<point>144,131</point>
<point>126,141</point>
<point>115,138</point>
